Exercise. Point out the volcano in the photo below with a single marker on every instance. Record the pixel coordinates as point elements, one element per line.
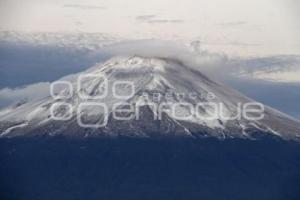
<point>133,88</point>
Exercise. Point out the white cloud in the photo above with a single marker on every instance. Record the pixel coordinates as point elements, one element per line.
<point>278,30</point>
<point>10,96</point>
<point>285,69</point>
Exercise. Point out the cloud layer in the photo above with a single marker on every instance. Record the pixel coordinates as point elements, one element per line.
<point>31,63</point>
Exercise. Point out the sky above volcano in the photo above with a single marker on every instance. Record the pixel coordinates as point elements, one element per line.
<point>257,41</point>
<point>244,28</point>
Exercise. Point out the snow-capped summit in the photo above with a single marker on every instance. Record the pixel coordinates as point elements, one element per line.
<point>144,97</point>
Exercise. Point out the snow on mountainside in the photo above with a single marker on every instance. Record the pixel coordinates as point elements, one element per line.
<point>143,85</point>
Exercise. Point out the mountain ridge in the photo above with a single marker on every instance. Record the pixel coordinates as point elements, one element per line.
<point>148,76</point>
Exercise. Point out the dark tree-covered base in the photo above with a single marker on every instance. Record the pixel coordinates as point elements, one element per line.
<point>140,169</point>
